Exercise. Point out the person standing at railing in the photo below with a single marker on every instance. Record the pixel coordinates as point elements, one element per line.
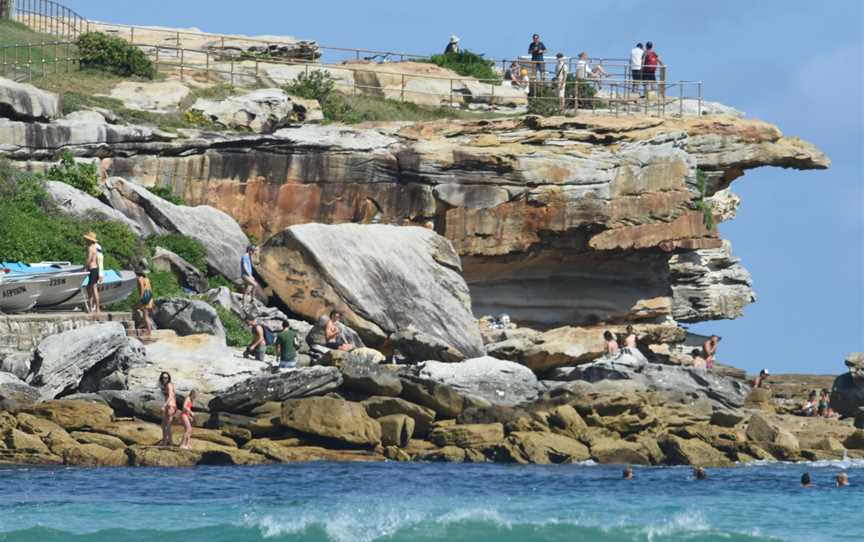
<point>537,49</point>
<point>561,80</point>
<point>636,55</point>
<point>649,67</point>
<point>453,46</point>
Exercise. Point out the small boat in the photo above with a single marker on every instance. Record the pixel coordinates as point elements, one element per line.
<point>62,279</point>
<point>20,295</point>
<point>115,287</point>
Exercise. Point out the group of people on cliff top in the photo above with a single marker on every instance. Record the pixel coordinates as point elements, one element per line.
<point>643,64</point>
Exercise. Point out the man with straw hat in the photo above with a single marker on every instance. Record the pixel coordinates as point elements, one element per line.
<point>91,264</point>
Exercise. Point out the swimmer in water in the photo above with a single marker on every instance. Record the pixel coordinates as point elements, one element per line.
<point>700,474</point>
<point>805,480</point>
<point>842,479</point>
<point>628,473</point>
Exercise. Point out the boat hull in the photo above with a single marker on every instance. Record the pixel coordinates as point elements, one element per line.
<point>110,292</point>
<point>20,295</point>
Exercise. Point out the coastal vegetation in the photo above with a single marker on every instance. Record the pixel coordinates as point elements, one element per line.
<point>468,64</point>
<point>98,50</point>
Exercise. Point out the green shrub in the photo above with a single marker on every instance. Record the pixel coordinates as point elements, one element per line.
<point>237,333</point>
<point>191,250</point>
<point>314,85</point>
<point>112,54</point>
<point>468,64</point>
<point>165,193</point>
<point>83,176</point>
<point>703,204</point>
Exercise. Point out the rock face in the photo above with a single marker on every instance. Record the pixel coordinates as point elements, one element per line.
<point>331,418</point>
<point>558,221</point>
<point>187,317</point>
<point>684,381</point>
<point>220,234</point>
<point>15,393</point>
<point>187,274</point>
<point>847,393</point>
<point>384,279</point>
<point>71,201</point>
<point>263,110</point>
<point>26,102</point>
<point>62,360</point>
<point>497,381</point>
<point>246,395</point>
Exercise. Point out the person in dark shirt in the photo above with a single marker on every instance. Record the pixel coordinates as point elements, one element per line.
<point>537,49</point>
<point>286,353</point>
<point>452,46</point>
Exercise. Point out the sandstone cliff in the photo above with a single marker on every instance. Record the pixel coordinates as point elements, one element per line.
<point>558,220</point>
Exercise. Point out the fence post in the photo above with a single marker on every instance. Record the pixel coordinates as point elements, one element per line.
<point>132,35</point>
<point>232,71</point>
<point>56,66</point>
<point>681,99</point>
<point>402,95</point>
<point>182,59</point>
<point>178,39</point>
<point>207,64</point>
<point>700,98</point>
<point>30,63</point>
<point>157,58</point>
<point>451,92</point>
<point>492,99</point>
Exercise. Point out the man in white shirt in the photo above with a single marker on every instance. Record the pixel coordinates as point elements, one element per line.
<point>636,55</point>
<point>561,79</point>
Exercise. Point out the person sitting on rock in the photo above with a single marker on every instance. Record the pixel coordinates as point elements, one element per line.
<point>809,408</point>
<point>761,381</point>
<point>612,349</point>
<point>334,334</point>
<point>709,349</point>
<point>698,360</point>
<point>258,346</point>
<point>823,409</point>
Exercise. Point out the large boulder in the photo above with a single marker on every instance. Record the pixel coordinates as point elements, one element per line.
<point>479,436</point>
<point>15,393</point>
<point>71,201</point>
<point>542,448</point>
<point>62,360</point>
<point>113,374</point>
<point>155,96</point>
<point>331,418</point>
<point>245,396</point>
<point>221,235</point>
<point>73,415</point>
<point>384,279</point>
<point>17,363</point>
<point>680,381</point>
<point>380,407</point>
<point>187,317</point>
<point>496,381</point>
<point>370,378</point>
<point>264,110</point>
<point>847,393</point>
<point>187,274</point>
<point>25,102</point>
<point>200,362</point>
<point>771,436</point>
<point>693,451</point>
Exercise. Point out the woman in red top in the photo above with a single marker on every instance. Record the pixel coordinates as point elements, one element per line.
<point>186,417</point>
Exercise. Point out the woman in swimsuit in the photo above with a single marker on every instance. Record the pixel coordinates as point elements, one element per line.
<point>169,409</point>
<point>611,344</point>
<point>186,416</point>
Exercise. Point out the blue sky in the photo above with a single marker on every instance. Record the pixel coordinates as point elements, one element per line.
<point>795,63</point>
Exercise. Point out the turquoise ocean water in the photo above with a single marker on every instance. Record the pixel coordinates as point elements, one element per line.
<point>425,502</point>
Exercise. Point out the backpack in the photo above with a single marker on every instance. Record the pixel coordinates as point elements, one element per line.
<point>269,336</point>
<point>651,59</point>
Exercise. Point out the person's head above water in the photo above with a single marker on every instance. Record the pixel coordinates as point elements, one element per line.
<point>842,479</point>
<point>628,473</point>
<point>805,480</point>
<point>699,473</point>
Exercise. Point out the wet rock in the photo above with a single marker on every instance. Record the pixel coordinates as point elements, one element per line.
<point>255,391</point>
<point>497,381</point>
<point>385,279</point>
<point>187,317</point>
<point>622,452</point>
<point>476,436</point>
<point>379,407</point>
<point>332,418</point>
<point>62,360</point>
<point>105,441</point>
<point>447,454</point>
<point>847,393</point>
<point>680,451</point>
<point>159,456</point>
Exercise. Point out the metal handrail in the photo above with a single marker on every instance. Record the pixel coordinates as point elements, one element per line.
<point>49,17</point>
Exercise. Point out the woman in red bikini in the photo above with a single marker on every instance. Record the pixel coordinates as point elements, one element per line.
<point>186,417</point>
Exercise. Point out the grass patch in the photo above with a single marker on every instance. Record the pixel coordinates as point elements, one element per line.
<point>166,194</point>
<point>468,64</point>
<point>237,333</point>
<point>15,33</point>
<point>191,250</point>
<point>355,109</point>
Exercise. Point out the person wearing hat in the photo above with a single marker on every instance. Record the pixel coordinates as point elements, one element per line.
<point>92,265</point>
<point>246,273</point>
<point>145,302</point>
<point>760,381</point>
<point>453,46</point>
<point>561,79</point>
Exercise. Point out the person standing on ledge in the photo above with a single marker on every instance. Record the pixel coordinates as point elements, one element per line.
<point>561,80</point>
<point>709,349</point>
<point>636,55</point>
<point>91,264</point>
<point>286,351</point>
<point>258,346</point>
<point>537,49</point>
<point>145,301</point>
<point>186,417</point>
<point>761,381</point>
<point>250,285</point>
<point>169,409</point>
<point>650,61</point>
<point>452,46</point>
